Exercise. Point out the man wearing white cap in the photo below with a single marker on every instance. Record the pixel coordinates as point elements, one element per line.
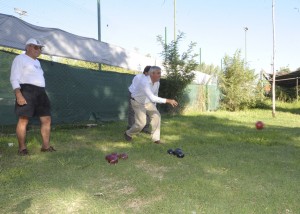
<point>28,82</point>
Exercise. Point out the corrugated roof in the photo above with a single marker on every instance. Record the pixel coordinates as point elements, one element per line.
<point>287,80</point>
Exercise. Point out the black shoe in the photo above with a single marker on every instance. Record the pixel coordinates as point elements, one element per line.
<point>23,152</point>
<point>127,137</point>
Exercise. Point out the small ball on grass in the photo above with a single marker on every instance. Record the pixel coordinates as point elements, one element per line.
<point>259,125</point>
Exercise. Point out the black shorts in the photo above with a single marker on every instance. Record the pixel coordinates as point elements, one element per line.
<point>38,103</point>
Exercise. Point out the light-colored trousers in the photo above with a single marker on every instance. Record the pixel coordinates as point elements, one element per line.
<point>140,115</point>
<point>131,118</point>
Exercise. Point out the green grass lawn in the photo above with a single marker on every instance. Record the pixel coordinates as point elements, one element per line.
<point>229,167</point>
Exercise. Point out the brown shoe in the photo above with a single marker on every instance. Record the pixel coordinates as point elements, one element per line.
<point>23,152</point>
<point>158,142</point>
<point>127,137</point>
<point>50,149</point>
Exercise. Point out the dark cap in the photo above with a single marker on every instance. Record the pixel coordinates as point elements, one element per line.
<point>146,69</point>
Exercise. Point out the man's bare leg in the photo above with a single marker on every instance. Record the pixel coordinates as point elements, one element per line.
<point>45,131</point>
<point>21,131</point>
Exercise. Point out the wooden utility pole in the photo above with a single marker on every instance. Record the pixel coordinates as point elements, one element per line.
<point>166,39</point>
<point>200,57</point>
<point>174,20</point>
<point>297,88</point>
<point>273,59</point>
<point>246,29</point>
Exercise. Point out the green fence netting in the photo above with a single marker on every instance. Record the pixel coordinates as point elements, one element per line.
<point>76,94</point>
<point>202,97</point>
<point>79,94</point>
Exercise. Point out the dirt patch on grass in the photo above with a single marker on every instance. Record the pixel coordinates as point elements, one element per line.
<point>126,190</point>
<point>155,171</point>
<point>112,185</point>
<point>137,204</point>
<point>216,171</point>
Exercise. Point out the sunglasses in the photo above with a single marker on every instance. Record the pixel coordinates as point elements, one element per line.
<point>37,47</point>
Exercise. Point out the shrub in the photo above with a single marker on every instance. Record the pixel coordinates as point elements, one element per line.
<point>178,68</point>
<point>237,84</point>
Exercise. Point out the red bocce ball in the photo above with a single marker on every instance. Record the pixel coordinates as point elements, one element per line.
<point>259,125</point>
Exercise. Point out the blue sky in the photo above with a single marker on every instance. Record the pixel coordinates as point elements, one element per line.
<point>217,26</point>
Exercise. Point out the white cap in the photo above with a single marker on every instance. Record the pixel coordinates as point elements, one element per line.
<point>34,42</point>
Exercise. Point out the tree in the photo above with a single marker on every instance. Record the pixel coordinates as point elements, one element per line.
<point>237,84</point>
<point>208,69</point>
<point>178,68</point>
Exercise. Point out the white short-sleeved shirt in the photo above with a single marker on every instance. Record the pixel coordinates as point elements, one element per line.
<point>26,70</point>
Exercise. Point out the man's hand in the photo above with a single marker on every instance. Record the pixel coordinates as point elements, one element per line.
<point>173,103</point>
<point>20,99</point>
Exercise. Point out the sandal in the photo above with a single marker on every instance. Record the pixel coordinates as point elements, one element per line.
<point>50,149</point>
<point>23,152</point>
